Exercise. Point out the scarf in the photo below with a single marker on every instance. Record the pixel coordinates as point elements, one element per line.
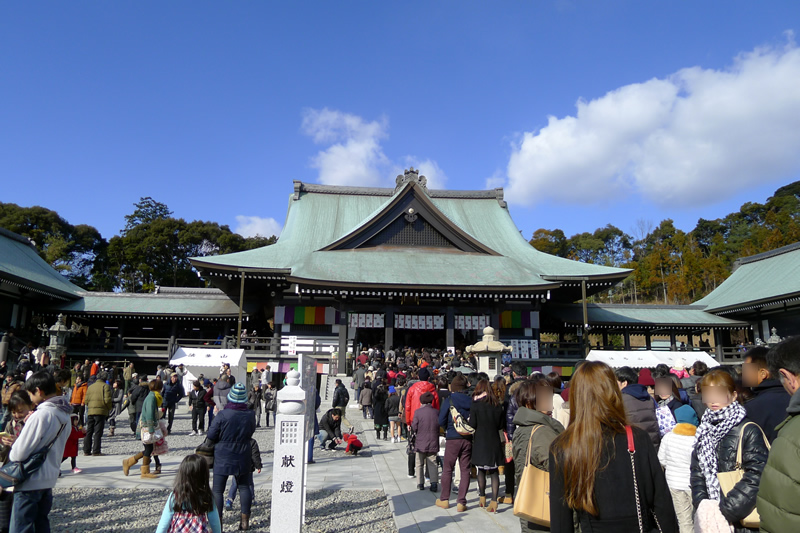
<point>235,406</point>
<point>714,426</point>
<point>159,398</point>
<point>478,397</point>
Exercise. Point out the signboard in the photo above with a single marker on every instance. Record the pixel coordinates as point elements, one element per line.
<point>307,366</point>
<point>293,345</point>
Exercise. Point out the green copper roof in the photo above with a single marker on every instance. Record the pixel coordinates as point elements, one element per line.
<point>190,303</point>
<point>643,316</point>
<point>321,215</point>
<point>758,280</point>
<point>21,265</point>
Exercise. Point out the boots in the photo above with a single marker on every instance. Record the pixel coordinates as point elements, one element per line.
<point>146,469</point>
<point>378,434</point>
<point>385,434</point>
<point>492,508</point>
<point>158,469</point>
<point>244,522</point>
<point>129,462</point>
<point>110,432</point>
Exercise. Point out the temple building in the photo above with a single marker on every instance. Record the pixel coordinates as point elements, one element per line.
<point>404,266</point>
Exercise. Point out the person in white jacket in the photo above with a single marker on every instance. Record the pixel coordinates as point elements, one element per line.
<point>675,455</point>
<point>50,422</point>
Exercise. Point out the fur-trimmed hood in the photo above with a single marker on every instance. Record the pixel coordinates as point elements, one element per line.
<point>687,430</point>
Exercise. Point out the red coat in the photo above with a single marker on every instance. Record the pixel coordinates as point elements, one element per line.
<point>352,440</point>
<point>412,398</point>
<point>71,448</point>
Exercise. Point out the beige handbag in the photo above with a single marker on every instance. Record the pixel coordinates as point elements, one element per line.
<point>532,501</point>
<point>727,480</point>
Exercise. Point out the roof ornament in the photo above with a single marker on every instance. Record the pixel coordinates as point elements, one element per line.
<point>410,175</point>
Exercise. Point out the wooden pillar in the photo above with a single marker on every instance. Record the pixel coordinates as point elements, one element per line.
<point>648,340</point>
<point>586,344</point>
<point>605,340</point>
<point>690,341</point>
<point>388,335</point>
<point>450,327</point>
<point>627,336</point>
<point>344,323</point>
<point>672,340</point>
<point>239,322</point>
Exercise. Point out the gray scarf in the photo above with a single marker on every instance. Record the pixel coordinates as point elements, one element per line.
<point>714,426</point>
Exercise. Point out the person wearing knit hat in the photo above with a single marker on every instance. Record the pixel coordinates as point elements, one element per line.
<point>646,378</point>
<point>675,455</point>
<point>231,430</point>
<point>238,394</point>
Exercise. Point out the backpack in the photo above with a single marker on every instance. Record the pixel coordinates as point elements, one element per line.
<point>185,522</point>
<point>460,425</point>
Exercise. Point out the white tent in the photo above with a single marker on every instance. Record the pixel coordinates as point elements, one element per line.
<point>207,361</point>
<point>649,358</point>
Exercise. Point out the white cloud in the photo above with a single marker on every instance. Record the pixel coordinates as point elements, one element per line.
<point>429,168</point>
<point>355,155</point>
<point>696,136</point>
<point>247,226</point>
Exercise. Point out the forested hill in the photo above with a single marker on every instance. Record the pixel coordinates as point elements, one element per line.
<point>675,267</point>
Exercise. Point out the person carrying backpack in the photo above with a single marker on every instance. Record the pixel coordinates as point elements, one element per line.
<point>190,507</point>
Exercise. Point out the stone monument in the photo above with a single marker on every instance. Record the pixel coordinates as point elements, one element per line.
<point>489,353</point>
<point>288,468</point>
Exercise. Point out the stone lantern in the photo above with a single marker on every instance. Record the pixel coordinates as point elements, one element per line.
<point>489,353</point>
<point>58,334</point>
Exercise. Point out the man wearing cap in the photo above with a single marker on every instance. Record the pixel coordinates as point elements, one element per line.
<point>231,431</point>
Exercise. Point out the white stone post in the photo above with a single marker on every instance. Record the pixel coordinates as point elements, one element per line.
<point>288,469</point>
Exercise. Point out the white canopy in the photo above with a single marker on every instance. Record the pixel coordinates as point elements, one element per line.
<point>207,361</point>
<point>649,358</point>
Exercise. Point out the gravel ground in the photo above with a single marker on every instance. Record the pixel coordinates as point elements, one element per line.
<point>92,510</point>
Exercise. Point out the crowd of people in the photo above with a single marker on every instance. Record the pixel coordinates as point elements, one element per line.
<point>46,406</point>
<point>682,448</point>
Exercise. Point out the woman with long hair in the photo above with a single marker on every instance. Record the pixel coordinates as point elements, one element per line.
<point>723,426</point>
<point>594,479</point>
<point>190,505</point>
<point>487,417</point>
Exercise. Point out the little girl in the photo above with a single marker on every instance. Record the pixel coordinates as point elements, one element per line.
<point>20,406</point>
<point>71,449</point>
<point>190,507</point>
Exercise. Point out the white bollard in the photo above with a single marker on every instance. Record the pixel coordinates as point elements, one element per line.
<point>288,469</point>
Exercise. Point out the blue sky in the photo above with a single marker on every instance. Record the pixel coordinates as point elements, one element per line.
<point>588,113</point>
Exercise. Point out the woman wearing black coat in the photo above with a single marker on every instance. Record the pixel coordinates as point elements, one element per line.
<point>593,482</point>
<point>487,417</point>
<point>717,442</point>
<point>379,411</point>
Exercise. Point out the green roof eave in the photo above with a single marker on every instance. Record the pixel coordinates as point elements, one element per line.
<point>123,304</point>
<point>21,265</point>
<point>759,280</point>
<point>629,316</point>
<point>320,216</point>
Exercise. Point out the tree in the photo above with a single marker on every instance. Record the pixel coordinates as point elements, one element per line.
<point>552,242</point>
<point>72,250</point>
<point>147,210</point>
<point>154,249</point>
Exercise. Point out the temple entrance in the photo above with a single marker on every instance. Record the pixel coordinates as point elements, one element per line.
<point>420,338</point>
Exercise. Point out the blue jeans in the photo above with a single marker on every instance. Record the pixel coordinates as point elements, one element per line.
<point>235,487</point>
<point>244,481</point>
<point>323,437</point>
<point>29,511</point>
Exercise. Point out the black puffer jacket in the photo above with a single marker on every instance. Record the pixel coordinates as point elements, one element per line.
<point>641,410</point>
<point>740,501</point>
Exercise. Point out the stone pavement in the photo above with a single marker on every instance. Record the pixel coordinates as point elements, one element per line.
<point>415,510</point>
<point>386,470</point>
